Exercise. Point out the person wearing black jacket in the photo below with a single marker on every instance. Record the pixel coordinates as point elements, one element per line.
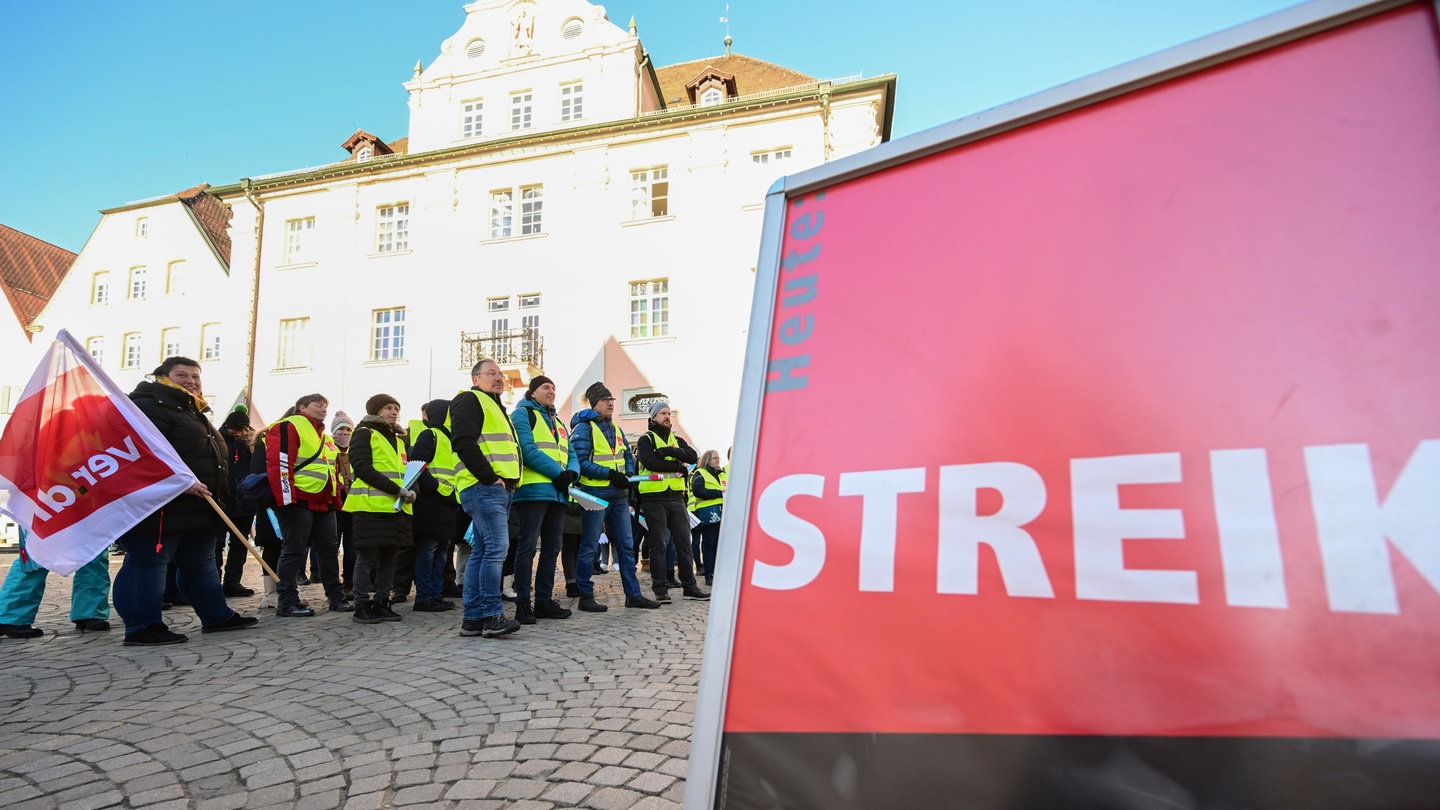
<point>184,530</point>
<point>436,508</point>
<point>238,436</point>
<point>664,502</point>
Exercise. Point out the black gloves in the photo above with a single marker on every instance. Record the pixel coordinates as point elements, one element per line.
<point>566,478</point>
<point>618,479</point>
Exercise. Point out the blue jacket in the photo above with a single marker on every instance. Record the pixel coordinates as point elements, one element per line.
<point>533,458</point>
<point>584,448</point>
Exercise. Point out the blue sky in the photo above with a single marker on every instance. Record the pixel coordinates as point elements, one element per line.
<point>105,103</point>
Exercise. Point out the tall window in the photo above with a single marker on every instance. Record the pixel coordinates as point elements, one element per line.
<point>170,342</point>
<point>294,343</point>
<point>175,279</point>
<point>530,320</point>
<point>650,308</point>
<point>649,193</point>
<point>472,118</point>
<point>210,341</point>
<point>502,213</point>
<point>392,228</point>
<point>300,240</point>
<point>772,156</point>
<point>572,101</point>
<point>499,309</point>
<point>137,283</point>
<point>96,347</point>
<point>132,347</point>
<point>531,201</point>
<point>142,227</point>
<point>100,287</point>
<point>387,334</point>
<point>520,107</point>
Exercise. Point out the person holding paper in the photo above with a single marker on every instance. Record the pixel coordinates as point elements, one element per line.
<point>661,450</point>
<point>437,508</point>
<point>377,455</point>
<point>548,468</point>
<point>605,463</point>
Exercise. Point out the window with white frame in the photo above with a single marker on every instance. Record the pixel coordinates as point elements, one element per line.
<point>529,306</point>
<point>175,278</point>
<point>299,240</point>
<point>392,228</point>
<point>520,110</point>
<point>531,202</point>
<point>210,341</point>
<point>500,304</point>
<point>294,343</point>
<point>712,96</point>
<point>138,276</point>
<point>650,193</point>
<point>499,309</point>
<point>364,154</point>
<point>502,213</point>
<point>472,118</point>
<point>100,287</point>
<point>650,308</point>
<point>770,156</point>
<point>170,342</point>
<point>387,334</point>
<point>131,349</point>
<point>572,101</point>
<point>95,346</point>
<point>142,227</point>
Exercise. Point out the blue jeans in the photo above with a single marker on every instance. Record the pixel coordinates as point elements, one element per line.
<point>616,521</point>
<point>489,509</point>
<point>431,550</point>
<point>25,586</point>
<point>141,579</point>
<point>543,521</point>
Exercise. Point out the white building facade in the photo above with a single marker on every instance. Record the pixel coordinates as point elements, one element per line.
<point>559,203</point>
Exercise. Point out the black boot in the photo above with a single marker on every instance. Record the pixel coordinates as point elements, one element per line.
<point>524,613</point>
<point>365,613</point>
<point>382,609</point>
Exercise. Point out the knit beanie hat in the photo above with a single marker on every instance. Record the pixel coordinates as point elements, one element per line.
<point>341,420</point>
<point>657,406</point>
<point>536,383</point>
<point>596,392</point>
<point>238,419</point>
<point>375,403</point>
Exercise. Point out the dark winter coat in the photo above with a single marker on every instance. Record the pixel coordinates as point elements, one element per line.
<point>677,460</point>
<point>264,530</point>
<point>376,529</point>
<point>237,450</point>
<point>584,446</point>
<point>435,514</point>
<point>198,444</point>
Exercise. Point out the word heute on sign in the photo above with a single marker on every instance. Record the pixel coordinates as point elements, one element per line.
<point>100,465</point>
<point>795,291</point>
<point>1352,522</point>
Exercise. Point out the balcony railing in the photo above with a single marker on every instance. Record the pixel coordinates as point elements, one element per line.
<point>508,347</point>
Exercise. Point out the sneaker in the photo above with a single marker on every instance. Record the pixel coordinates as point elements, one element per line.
<point>640,602</point>
<point>236,589</point>
<point>549,609</point>
<point>365,613</point>
<point>694,592</point>
<point>523,613</point>
<point>672,584</point>
<point>154,636</point>
<point>383,610</point>
<point>663,597</point>
<point>429,606</point>
<point>342,606</point>
<point>93,625</point>
<point>499,626</point>
<point>294,612</point>
<point>589,605</point>
<point>472,627</point>
<point>23,630</point>
<point>235,622</point>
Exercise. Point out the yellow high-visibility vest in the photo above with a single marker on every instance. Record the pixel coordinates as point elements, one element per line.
<point>555,445</point>
<point>445,461</point>
<point>389,461</point>
<point>713,483</point>
<point>319,474</point>
<point>602,453</point>
<point>677,483</point>
<point>499,448</point>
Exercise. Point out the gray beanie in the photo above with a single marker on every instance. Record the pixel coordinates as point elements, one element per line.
<point>656,406</point>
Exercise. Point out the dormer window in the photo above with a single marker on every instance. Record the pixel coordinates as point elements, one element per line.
<point>712,86</point>
<point>364,146</point>
<point>712,96</point>
<point>364,153</point>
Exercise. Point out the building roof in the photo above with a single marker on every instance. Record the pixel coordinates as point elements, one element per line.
<point>751,76</point>
<point>30,270</point>
<point>212,216</point>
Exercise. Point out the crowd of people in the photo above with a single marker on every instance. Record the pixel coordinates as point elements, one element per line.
<point>502,497</point>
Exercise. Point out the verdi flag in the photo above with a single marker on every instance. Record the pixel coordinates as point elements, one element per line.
<point>80,464</point>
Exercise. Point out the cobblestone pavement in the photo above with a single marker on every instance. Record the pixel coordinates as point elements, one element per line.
<point>592,711</point>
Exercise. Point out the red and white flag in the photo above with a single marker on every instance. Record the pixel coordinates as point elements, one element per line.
<point>80,464</point>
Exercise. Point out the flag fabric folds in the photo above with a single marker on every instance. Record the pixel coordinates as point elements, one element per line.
<point>80,464</point>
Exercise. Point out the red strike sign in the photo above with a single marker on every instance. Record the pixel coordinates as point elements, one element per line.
<point>1122,423</point>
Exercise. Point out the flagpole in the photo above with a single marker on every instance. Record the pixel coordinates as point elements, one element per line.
<point>243,538</point>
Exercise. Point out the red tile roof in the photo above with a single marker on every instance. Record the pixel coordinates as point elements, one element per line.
<point>751,76</point>
<point>30,270</point>
<point>213,217</point>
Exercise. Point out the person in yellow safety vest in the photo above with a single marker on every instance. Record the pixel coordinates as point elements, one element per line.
<point>378,457</point>
<point>488,472</point>
<point>437,507</point>
<point>660,450</point>
<point>707,495</point>
<point>548,469</point>
<point>300,467</point>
